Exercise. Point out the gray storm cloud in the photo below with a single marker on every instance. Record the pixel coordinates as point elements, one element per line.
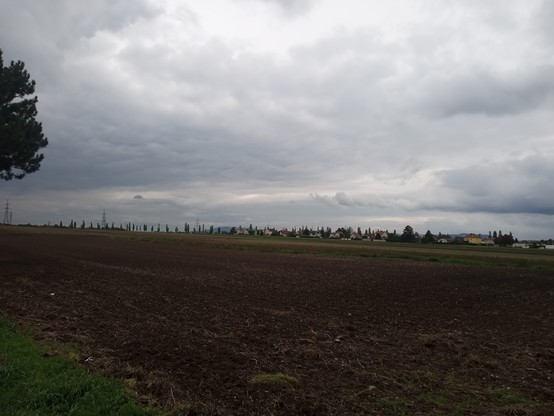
<point>514,186</point>
<point>453,101</point>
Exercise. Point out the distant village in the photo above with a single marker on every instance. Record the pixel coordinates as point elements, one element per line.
<point>408,235</point>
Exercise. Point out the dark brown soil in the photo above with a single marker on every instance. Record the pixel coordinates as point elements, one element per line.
<point>189,328</point>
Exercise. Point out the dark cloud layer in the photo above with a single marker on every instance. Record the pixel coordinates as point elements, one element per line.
<point>483,92</point>
<point>513,186</point>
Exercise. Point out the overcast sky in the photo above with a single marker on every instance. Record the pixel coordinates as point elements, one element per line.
<point>432,113</point>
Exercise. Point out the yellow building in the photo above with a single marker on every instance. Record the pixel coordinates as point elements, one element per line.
<point>472,239</point>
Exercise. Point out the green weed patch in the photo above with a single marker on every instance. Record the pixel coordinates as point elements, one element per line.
<point>33,382</point>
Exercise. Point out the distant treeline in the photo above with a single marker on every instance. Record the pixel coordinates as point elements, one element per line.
<point>494,238</point>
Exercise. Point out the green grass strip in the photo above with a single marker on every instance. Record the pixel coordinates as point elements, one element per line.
<point>34,383</point>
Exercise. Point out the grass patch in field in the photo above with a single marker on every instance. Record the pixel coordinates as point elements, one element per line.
<point>394,406</point>
<point>463,255</point>
<point>451,395</point>
<point>456,401</point>
<point>34,383</point>
<point>274,379</point>
<point>508,397</point>
<point>436,253</point>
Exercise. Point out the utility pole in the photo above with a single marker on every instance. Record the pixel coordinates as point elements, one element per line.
<point>7,213</point>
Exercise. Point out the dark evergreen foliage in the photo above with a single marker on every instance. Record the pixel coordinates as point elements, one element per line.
<point>21,134</point>
<point>408,236</point>
<point>428,238</point>
<point>504,240</point>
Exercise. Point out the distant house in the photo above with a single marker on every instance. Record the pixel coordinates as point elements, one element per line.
<point>520,245</point>
<point>355,236</point>
<point>472,238</point>
<point>487,241</point>
<point>284,232</point>
<point>242,231</point>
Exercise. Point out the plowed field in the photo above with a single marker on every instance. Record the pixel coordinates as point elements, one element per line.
<point>218,331</point>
